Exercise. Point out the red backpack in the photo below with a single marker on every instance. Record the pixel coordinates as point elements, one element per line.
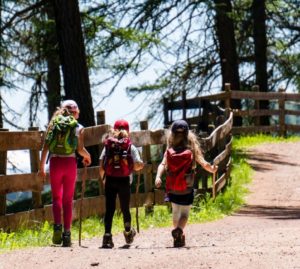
<point>118,161</point>
<point>179,165</point>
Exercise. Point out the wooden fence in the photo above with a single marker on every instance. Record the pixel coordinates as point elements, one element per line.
<point>210,106</point>
<point>217,148</point>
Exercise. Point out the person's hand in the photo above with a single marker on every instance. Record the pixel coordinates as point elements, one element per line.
<point>86,160</point>
<point>158,182</point>
<point>214,168</point>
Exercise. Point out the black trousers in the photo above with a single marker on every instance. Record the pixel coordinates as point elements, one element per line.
<point>117,186</point>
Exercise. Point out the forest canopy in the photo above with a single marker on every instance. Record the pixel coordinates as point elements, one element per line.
<point>85,50</point>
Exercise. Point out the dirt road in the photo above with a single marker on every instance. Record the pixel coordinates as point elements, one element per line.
<point>263,234</point>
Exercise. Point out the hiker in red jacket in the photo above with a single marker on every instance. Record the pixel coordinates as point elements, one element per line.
<point>117,161</point>
<point>180,159</point>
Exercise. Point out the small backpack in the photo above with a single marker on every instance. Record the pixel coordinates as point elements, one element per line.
<point>118,161</point>
<point>180,175</point>
<point>61,138</point>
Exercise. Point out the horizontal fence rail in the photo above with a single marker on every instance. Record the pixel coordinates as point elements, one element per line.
<point>251,114</point>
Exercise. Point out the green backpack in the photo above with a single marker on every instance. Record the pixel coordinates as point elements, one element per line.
<point>61,138</point>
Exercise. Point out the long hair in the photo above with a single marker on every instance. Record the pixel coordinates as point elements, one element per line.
<point>59,111</point>
<point>115,133</point>
<point>190,141</point>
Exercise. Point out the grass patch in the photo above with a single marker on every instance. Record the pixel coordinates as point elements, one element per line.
<point>204,208</point>
<point>242,142</point>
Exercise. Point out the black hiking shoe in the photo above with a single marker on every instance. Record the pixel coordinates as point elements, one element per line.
<point>57,234</point>
<point>179,238</point>
<point>66,239</point>
<point>107,241</point>
<point>129,236</point>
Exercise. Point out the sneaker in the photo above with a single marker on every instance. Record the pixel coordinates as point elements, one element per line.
<point>66,239</point>
<point>57,234</point>
<point>129,236</point>
<point>107,241</point>
<point>179,238</point>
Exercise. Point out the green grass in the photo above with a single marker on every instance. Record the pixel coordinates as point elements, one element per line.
<point>204,209</point>
<point>249,141</point>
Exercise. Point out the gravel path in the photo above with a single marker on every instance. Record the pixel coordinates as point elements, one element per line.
<point>263,234</point>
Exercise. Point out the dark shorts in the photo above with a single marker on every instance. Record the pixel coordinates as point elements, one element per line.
<point>181,199</point>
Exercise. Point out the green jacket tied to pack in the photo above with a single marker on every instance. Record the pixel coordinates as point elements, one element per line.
<point>61,138</point>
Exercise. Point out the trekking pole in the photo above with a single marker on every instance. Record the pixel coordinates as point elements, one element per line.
<point>214,185</point>
<point>137,202</point>
<point>81,201</point>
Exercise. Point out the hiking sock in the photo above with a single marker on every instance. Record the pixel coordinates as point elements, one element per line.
<point>66,238</point>
<point>57,234</point>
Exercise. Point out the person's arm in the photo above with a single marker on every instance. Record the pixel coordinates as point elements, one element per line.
<point>137,161</point>
<point>206,165</point>
<point>101,165</point>
<point>42,171</point>
<point>138,166</point>
<point>82,150</point>
<point>160,170</point>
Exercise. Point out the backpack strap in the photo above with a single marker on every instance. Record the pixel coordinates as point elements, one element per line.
<point>48,157</point>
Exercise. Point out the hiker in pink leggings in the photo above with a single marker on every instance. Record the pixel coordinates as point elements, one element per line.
<point>64,136</point>
<point>63,177</point>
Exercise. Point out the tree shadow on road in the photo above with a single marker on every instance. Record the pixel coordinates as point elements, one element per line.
<point>272,212</point>
<point>263,161</point>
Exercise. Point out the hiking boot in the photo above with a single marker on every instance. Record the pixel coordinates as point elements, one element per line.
<point>57,234</point>
<point>107,241</point>
<point>183,240</point>
<point>66,239</point>
<point>179,238</point>
<point>129,236</point>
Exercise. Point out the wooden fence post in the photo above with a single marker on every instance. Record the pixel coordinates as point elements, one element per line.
<point>228,97</point>
<point>211,122</point>
<point>281,104</point>
<point>34,166</point>
<point>166,112</point>
<point>148,184</point>
<point>171,109</point>
<point>255,88</point>
<point>3,166</point>
<point>184,105</point>
<point>100,119</point>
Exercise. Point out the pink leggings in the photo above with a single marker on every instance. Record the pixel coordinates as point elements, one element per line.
<point>63,172</point>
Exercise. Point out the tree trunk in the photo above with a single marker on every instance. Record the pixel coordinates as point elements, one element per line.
<point>1,114</point>
<point>53,80</point>
<point>260,44</point>
<point>1,74</point>
<point>73,60</point>
<point>227,51</point>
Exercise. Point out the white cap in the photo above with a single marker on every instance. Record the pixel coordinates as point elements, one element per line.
<point>71,105</point>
